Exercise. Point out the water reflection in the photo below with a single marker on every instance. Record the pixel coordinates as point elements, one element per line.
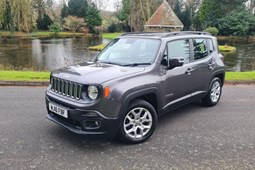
<point>242,60</point>
<point>46,54</point>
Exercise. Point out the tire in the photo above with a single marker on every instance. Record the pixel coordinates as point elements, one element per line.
<point>214,94</point>
<point>138,123</point>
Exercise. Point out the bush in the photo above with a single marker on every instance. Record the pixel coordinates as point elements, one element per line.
<point>55,27</point>
<point>74,23</point>
<point>44,23</point>
<point>213,30</point>
<point>112,28</point>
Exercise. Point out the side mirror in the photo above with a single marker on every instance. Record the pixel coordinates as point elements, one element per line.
<point>176,62</point>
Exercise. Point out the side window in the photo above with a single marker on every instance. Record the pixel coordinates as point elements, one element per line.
<point>200,48</point>
<point>179,49</point>
<point>211,46</point>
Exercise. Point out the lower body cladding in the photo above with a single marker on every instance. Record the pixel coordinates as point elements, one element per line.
<point>81,121</point>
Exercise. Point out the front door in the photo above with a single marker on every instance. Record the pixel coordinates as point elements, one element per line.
<point>177,82</point>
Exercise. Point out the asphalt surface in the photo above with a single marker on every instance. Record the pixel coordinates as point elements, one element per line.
<point>193,137</point>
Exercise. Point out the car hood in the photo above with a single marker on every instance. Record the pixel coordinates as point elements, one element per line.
<point>95,73</point>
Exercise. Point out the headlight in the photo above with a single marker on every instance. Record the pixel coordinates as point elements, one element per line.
<point>92,92</point>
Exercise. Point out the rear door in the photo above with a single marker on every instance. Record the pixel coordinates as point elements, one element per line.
<point>203,64</point>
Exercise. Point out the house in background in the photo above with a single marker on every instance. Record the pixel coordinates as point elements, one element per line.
<point>163,20</point>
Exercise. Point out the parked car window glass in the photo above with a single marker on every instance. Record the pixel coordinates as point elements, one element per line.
<point>200,48</point>
<point>211,46</point>
<point>125,51</point>
<point>179,49</point>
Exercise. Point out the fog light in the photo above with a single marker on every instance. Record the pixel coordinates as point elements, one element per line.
<point>94,124</point>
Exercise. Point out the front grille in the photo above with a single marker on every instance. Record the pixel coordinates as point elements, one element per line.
<point>66,88</point>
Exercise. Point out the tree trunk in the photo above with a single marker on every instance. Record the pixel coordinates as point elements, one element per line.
<point>252,5</point>
<point>141,7</point>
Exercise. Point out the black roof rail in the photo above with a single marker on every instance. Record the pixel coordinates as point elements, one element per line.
<point>166,34</point>
<point>187,33</point>
<point>142,33</point>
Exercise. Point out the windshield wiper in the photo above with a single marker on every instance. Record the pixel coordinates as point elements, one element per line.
<point>135,64</point>
<point>107,62</point>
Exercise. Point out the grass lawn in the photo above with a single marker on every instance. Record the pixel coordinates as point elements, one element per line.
<point>44,76</point>
<point>111,35</point>
<point>235,76</point>
<point>42,34</point>
<point>97,47</point>
<point>24,76</point>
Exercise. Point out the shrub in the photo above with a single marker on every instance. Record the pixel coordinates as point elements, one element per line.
<point>55,27</point>
<point>74,23</point>
<point>112,28</point>
<point>44,23</point>
<point>213,30</point>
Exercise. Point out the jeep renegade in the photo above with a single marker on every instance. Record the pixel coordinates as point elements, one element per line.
<point>134,80</point>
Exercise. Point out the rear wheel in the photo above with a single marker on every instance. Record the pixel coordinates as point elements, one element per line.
<point>214,94</point>
<point>138,123</point>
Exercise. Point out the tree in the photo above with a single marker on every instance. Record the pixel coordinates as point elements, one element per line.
<point>251,6</point>
<point>239,22</point>
<point>64,11</point>
<point>16,15</point>
<point>44,23</point>
<point>186,17</point>
<point>209,13</point>
<point>42,7</point>
<point>229,5</point>
<point>136,13</point>
<point>93,17</point>
<point>77,8</point>
<point>123,14</point>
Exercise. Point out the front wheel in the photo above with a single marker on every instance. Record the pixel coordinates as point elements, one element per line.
<point>214,94</point>
<point>138,123</point>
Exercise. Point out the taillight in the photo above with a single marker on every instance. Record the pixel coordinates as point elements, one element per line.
<point>222,58</point>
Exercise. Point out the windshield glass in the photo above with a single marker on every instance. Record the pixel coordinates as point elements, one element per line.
<point>130,51</point>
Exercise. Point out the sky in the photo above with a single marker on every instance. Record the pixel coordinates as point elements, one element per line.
<point>109,5</point>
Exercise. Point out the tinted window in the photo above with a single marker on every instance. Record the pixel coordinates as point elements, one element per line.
<point>200,48</point>
<point>178,49</point>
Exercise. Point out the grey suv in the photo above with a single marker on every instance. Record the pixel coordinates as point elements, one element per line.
<point>134,80</point>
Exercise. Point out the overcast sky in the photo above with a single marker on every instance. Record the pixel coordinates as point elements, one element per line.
<point>109,4</point>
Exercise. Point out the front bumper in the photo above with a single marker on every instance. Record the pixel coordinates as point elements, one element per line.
<point>80,122</point>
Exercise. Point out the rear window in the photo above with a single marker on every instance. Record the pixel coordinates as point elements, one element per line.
<point>200,48</point>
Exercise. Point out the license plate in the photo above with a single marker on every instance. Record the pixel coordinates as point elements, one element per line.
<point>58,110</point>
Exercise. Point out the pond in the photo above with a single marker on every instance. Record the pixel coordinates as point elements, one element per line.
<point>243,59</point>
<point>51,54</point>
<point>45,54</point>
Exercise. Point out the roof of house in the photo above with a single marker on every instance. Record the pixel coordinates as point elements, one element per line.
<point>164,17</point>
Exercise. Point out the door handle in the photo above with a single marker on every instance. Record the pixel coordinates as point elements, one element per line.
<point>188,71</point>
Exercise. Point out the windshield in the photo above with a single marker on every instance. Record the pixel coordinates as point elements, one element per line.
<point>130,51</point>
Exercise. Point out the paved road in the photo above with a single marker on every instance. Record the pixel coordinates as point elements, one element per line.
<point>193,137</point>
